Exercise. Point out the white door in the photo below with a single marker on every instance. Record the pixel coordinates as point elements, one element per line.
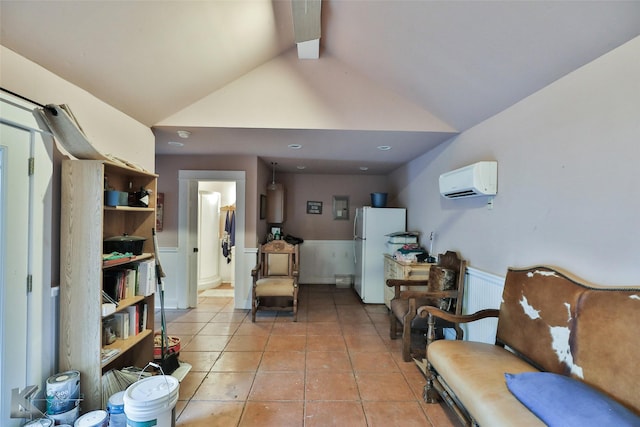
<point>14,255</point>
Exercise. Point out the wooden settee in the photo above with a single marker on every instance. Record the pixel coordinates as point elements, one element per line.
<point>548,324</point>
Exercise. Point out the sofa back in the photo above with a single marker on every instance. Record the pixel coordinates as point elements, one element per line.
<point>559,324</point>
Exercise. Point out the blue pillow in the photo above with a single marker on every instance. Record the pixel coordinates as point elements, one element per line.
<point>562,401</point>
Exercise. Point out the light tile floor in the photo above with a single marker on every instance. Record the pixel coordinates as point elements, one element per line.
<point>336,366</point>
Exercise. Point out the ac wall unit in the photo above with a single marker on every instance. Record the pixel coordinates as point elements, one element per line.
<point>478,179</point>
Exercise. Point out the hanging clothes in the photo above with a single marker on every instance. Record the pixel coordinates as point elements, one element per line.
<point>228,238</point>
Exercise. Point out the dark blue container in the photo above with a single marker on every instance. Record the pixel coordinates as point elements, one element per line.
<point>379,200</point>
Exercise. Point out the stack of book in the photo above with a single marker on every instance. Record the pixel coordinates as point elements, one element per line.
<point>131,321</point>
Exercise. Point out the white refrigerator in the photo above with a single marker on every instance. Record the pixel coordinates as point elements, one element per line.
<point>370,227</point>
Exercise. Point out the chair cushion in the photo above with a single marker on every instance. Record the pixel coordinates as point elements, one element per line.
<point>474,372</point>
<point>275,287</point>
<point>441,279</point>
<point>278,264</point>
<point>562,401</point>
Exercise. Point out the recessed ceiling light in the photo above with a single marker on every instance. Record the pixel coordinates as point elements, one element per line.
<point>301,167</point>
<point>176,143</point>
<point>384,147</point>
<point>184,134</point>
<point>364,168</point>
<point>295,146</point>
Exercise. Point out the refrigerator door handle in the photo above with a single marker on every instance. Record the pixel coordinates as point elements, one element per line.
<point>355,253</point>
<point>355,225</point>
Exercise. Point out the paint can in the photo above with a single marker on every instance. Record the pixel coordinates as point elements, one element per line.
<point>63,392</point>
<point>93,419</point>
<point>152,401</point>
<point>40,422</point>
<point>66,418</point>
<point>115,407</point>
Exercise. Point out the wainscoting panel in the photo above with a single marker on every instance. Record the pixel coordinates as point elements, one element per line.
<point>483,290</point>
<point>169,260</point>
<point>321,260</point>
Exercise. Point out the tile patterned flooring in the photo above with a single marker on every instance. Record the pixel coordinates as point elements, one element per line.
<point>336,366</point>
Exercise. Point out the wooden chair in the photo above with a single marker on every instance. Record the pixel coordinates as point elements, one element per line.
<point>275,279</point>
<point>445,289</point>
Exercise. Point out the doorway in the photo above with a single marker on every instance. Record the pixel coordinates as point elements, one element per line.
<point>188,249</point>
<point>216,238</point>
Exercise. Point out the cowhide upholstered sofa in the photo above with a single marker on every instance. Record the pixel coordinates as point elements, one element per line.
<point>566,353</point>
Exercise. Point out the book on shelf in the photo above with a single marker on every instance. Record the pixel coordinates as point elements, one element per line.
<point>122,324</point>
<point>134,320</point>
<point>143,323</point>
<point>121,283</point>
<point>146,277</point>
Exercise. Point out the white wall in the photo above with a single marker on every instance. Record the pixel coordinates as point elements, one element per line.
<point>321,260</point>
<point>568,179</point>
<point>108,129</point>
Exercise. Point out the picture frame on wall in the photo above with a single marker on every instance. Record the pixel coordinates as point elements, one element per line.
<point>314,208</point>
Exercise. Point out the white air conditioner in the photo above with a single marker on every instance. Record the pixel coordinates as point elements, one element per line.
<point>478,179</point>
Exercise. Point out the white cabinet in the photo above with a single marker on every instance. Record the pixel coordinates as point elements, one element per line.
<point>404,271</point>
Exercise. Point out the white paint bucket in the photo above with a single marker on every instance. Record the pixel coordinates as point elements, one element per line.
<point>93,419</point>
<point>63,392</point>
<point>152,401</point>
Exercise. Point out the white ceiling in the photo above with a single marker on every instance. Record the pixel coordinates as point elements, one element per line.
<point>407,74</point>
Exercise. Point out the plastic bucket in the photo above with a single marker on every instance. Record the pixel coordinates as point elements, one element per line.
<point>115,408</point>
<point>152,401</point>
<point>378,200</point>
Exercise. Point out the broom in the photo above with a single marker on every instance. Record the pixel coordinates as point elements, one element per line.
<point>169,361</point>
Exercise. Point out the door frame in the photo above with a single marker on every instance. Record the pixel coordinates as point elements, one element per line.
<point>188,238</point>
<point>41,317</point>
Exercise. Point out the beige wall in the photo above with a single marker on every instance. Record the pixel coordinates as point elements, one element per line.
<point>567,179</point>
<point>108,129</point>
<point>167,167</point>
<point>301,188</point>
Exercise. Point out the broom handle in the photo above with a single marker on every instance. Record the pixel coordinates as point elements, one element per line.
<point>164,347</point>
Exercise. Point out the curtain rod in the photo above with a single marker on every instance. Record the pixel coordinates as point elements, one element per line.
<point>49,108</point>
<point>24,98</point>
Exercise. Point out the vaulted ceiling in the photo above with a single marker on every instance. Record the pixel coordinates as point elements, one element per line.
<point>403,74</point>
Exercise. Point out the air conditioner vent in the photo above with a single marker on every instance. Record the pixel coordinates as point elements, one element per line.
<point>478,179</point>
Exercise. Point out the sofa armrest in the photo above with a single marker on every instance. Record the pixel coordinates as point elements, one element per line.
<point>432,312</point>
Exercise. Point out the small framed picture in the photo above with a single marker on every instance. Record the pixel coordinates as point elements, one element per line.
<point>314,208</point>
